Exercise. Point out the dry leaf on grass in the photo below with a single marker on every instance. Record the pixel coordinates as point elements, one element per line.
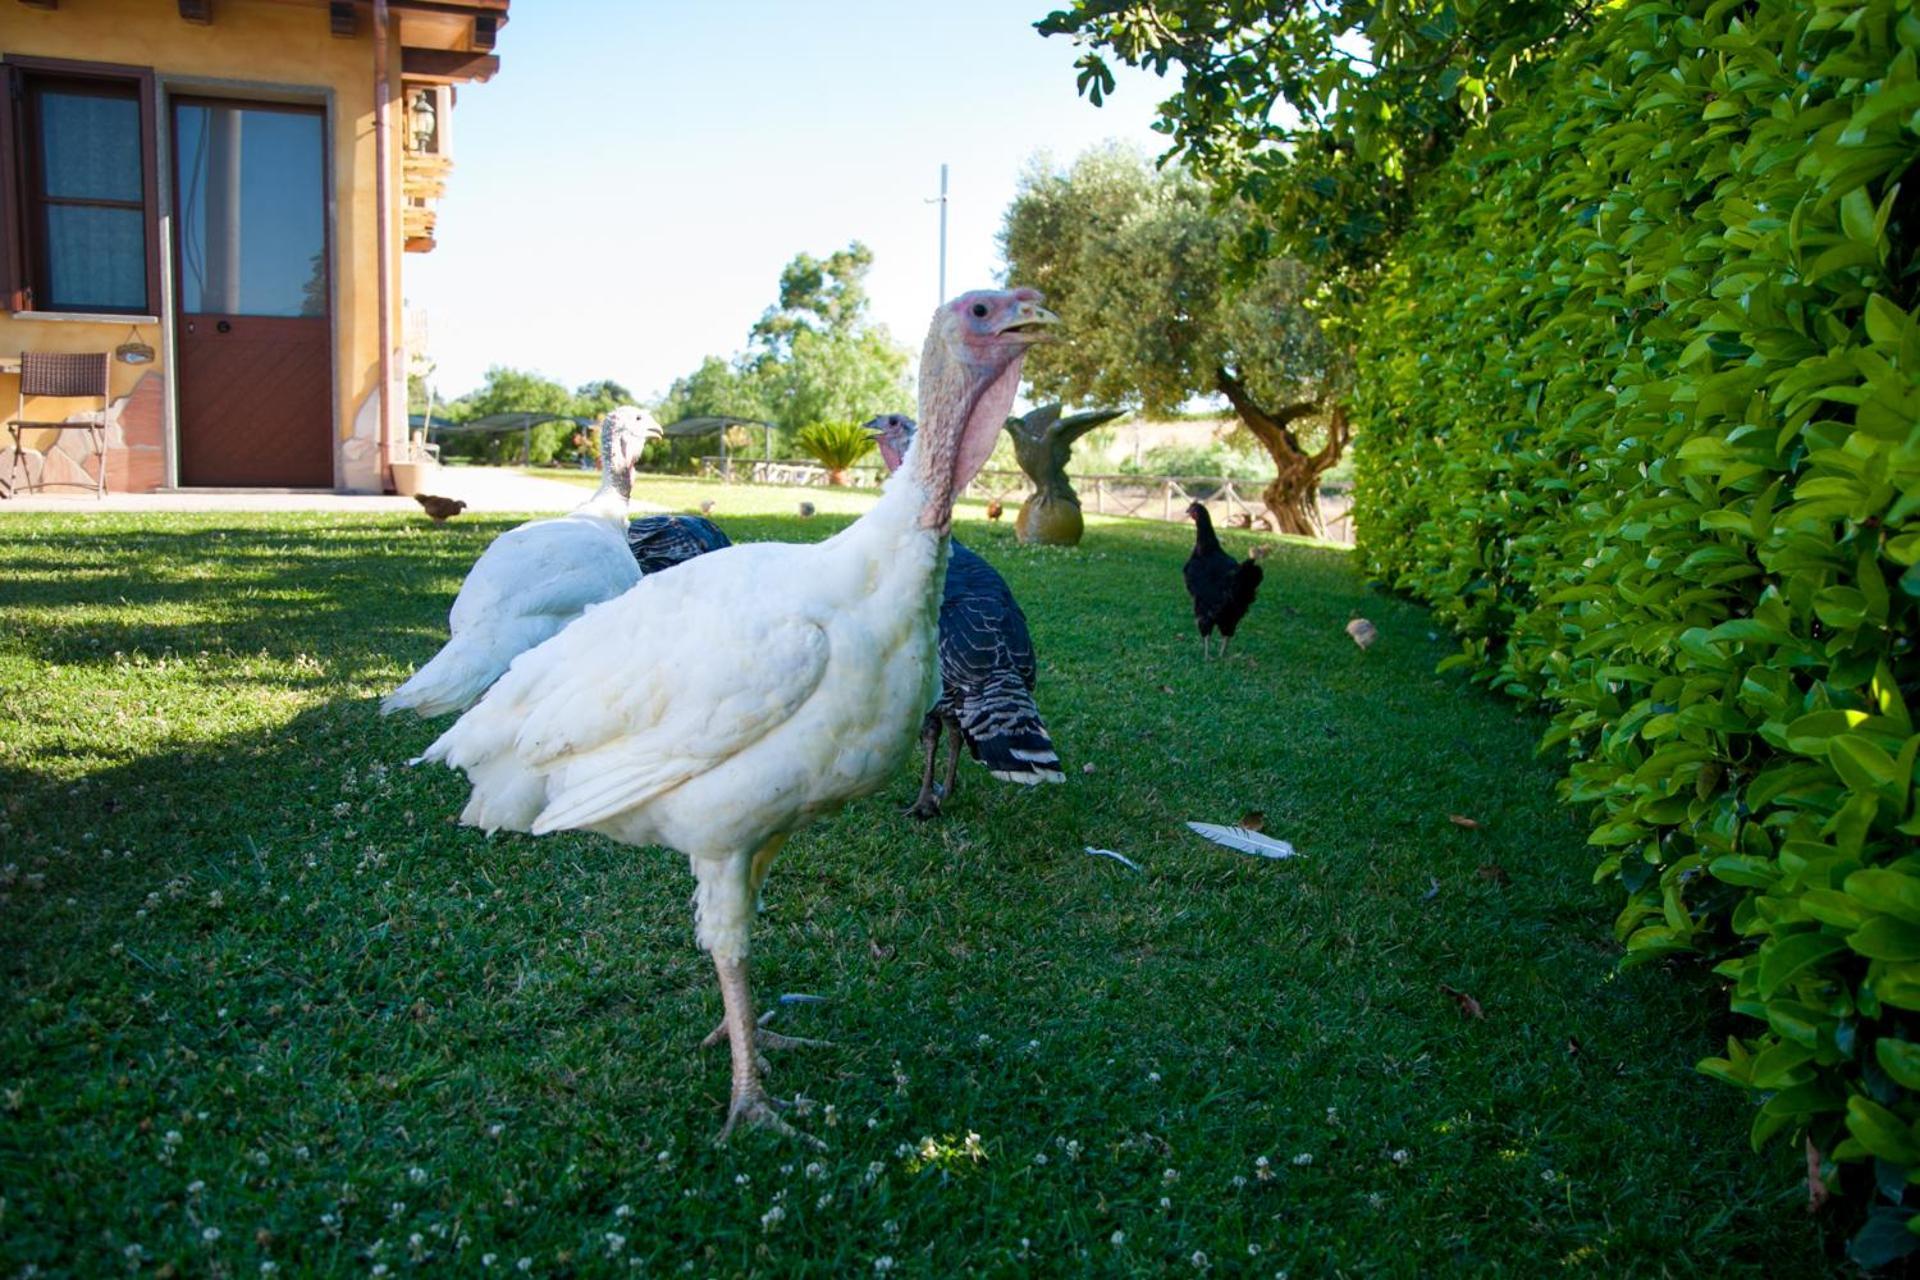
<point>1469,1007</point>
<point>877,951</point>
<point>1253,820</point>
<point>1363,632</point>
<point>1462,820</point>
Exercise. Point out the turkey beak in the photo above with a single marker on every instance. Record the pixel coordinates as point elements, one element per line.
<point>1030,323</point>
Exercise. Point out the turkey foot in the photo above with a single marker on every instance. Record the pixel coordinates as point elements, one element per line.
<point>758,1110</point>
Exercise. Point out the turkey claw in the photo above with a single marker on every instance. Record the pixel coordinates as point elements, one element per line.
<point>759,1111</point>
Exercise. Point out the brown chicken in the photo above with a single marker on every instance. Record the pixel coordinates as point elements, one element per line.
<point>441,509</point>
<point>994,509</point>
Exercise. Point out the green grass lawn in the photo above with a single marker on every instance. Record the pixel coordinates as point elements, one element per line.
<point>265,1002</point>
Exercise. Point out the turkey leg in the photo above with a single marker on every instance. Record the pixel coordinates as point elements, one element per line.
<point>927,804</point>
<point>752,1106</point>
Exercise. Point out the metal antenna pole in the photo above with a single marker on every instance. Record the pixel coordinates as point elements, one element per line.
<point>942,202</point>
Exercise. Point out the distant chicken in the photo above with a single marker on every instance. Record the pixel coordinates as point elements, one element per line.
<point>533,580</point>
<point>806,510</point>
<point>441,509</point>
<point>722,706</point>
<point>661,542</point>
<point>986,667</point>
<point>1222,587</point>
<point>994,509</point>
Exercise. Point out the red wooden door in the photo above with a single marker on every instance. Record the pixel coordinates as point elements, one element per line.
<point>254,367</point>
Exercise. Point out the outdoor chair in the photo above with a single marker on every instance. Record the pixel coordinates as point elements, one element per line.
<point>49,374</point>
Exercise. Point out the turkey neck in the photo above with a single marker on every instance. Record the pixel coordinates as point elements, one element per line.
<point>1205,542</point>
<point>616,483</point>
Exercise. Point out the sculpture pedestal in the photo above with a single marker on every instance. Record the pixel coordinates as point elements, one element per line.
<point>1049,522</point>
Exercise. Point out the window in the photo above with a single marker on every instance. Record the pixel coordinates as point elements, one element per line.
<point>78,217</point>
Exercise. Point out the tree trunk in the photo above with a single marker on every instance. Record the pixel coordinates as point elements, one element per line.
<point>1293,495</point>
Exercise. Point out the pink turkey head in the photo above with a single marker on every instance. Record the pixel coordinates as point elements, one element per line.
<point>892,433</point>
<point>969,373</point>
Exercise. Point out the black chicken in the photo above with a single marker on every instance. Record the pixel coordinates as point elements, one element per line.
<point>661,542</point>
<point>1222,587</point>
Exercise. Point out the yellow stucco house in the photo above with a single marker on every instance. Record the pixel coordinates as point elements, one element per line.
<point>218,194</point>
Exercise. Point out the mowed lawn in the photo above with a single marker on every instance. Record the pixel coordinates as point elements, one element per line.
<point>265,1003</point>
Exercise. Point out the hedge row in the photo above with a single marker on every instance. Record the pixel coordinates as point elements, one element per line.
<point>1640,404</point>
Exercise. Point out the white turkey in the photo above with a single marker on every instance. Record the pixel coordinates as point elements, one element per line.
<point>987,668</point>
<point>534,579</point>
<point>759,686</point>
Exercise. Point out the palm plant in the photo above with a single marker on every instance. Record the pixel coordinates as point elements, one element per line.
<point>834,445</point>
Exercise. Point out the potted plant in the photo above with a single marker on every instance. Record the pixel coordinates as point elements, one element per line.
<point>835,446</point>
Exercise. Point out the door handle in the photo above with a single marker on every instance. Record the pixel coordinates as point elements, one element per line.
<point>223,327</point>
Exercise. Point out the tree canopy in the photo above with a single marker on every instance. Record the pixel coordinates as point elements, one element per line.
<point>1138,265</point>
<point>1321,116</point>
<point>813,357</point>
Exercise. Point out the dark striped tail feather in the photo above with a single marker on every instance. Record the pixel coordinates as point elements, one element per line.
<point>1003,730</point>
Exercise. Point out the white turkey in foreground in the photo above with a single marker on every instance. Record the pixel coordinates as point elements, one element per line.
<point>719,708</point>
<point>535,579</point>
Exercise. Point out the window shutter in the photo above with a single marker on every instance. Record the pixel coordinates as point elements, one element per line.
<point>14,294</point>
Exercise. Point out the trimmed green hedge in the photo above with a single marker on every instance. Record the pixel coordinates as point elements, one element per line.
<point>1639,399</point>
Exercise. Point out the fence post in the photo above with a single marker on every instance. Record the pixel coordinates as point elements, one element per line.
<point>1166,499</point>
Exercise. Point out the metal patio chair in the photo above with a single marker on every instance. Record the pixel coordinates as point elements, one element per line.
<point>48,374</point>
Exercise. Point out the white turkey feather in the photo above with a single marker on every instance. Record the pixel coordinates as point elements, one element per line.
<point>1244,840</point>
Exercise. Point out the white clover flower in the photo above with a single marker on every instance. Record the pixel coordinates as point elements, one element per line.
<point>831,1115</point>
<point>1170,1175</point>
<point>525,1264</point>
<point>416,1175</point>
<point>1253,1250</point>
<point>195,1187</point>
<point>905,1149</point>
<point>269,1267</point>
<point>210,1234</point>
<point>742,1179</point>
<point>1548,1175</point>
<point>1199,1260</point>
<point>1239,1180</point>
<point>1039,1157</point>
<point>1401,1155</point>
<point>495,1130</point>
<point>1153,1077</point>
<point>1304,1159</point>
<point>772,1218</point>
<point>1117,1239</point>
<point>826,1198</point>
<point>1333,1115</point>
<point>815,1171</point>
<point>488,1259</point>
<point>1165,1203</point>
<point>883,1263</point>
<point>615,1242</point>
<point>379,1268</point>
<point>624,1211</point>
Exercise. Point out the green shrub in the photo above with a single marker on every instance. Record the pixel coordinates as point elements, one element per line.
<point>834,445</point>
<point>1639,399</point>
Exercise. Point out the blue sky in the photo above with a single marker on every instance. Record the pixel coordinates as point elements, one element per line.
<point>628,187</point>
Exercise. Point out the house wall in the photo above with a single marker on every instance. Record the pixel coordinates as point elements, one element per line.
<point>252,48</point>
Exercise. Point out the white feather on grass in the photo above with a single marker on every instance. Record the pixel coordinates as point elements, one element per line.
<point>1120,858</point>
<point>1244,840</point>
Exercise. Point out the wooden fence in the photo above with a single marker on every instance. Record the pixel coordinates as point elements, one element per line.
<point>1232,502</point>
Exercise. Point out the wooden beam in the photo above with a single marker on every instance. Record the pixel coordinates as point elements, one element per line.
<point>200,11</point>
<point>340,17</point>
<point>41,4</point>
<point>486,28</point>
<point>446,66</point>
